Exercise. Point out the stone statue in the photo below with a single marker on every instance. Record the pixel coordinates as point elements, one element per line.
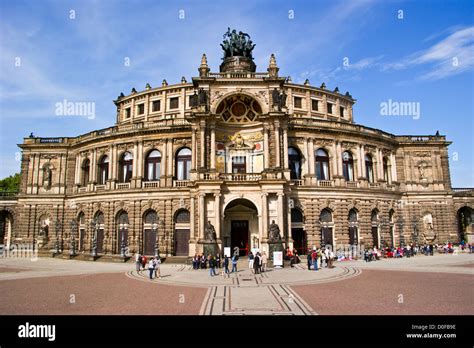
<point>421,169</point>
<point>237,44</point>
<point>239,141</point>
<point>210,232</point>
<point>274,232</point>
<point>202,97</point>
<point>46,177</point>
<point>282,100</point>
<point>194,100</point>
<point>276,98</point>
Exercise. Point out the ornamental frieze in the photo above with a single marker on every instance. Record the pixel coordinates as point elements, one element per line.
<point>122,147</point>
<point>323,142</point>
<point>423,154</point>
<point>183,141</point>
<point>153,143</point>
<point>50,156</point>
<point>348,145</point>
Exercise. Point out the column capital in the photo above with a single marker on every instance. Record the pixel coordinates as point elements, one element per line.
<point>264,194</point>
<point>217,195</point>
<point>280,194</point>
<point>202,195</point>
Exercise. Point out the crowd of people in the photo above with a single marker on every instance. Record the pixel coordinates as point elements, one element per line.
<point>153,265</point>
<point>324,255</point>
<point>317,258</point>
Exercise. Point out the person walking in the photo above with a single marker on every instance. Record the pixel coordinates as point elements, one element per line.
<point>234,263</point>
<point>138,262</point>
<point>218,261</point>
<point>256,264</point>
<point>309,259</point>
<point>264,260</point>
<point>151,267</point>
<point>251,260</point>
<point>144,261</point>
<point>157,265</point>
<point>226,264</point>
<point>314,258</point>
<point>212,266</point>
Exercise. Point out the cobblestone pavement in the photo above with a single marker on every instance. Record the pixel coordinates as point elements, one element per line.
<point>439,284</point>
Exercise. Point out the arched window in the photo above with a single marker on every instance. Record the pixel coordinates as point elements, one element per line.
<point>322,165</point>
<point>347,166</point>
<point>352,215</point>
<point>369,168</point>
<point>386,176</point>
<point>296,215</point>
<point>85,169</point>
<point>103,170</point>
<point>153,166</point>
<point>182,217</point>
<point>374,216</point>
<point>183,164</point>
<point>125,167</point>
<point>294,161</point>
<point>326,215</point>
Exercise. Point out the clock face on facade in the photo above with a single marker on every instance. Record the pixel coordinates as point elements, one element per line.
<point>239,109</point>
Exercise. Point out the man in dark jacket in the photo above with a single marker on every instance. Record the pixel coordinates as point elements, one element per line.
<point>256,264</point>
<point>309,258</point>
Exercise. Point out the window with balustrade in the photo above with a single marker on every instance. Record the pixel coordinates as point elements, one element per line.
<point>369,168</point>
<point>322,164</point>
<point>294,162</point>
<point>183,164</point>
<point>239,165</point>
<point>103,170</point>
<point>347,166</point>
<point>125,167</point>
<point>85,170</point>
<point>153,166</point>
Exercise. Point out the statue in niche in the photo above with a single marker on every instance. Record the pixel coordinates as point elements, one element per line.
<point>274,232</point>
<point>47,177</point>
<point>239,141</point>
<point>421,170</point>
<point>210,232</point>
<point>279,99</point>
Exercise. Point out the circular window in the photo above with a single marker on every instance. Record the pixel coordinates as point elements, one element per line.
<point>239,109</point>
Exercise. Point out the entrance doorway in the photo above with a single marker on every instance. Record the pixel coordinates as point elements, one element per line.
<point>181,242</point>
<point>240,236</point>
<point>299,240</point>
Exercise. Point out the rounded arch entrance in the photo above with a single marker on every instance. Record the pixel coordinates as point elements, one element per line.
<point>182,219</point>
<point>6,229</point>
<point>241,226</point>
<point>465,217</point>
<point>298,234</point>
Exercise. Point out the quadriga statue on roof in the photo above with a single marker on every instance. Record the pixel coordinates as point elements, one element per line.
<point>237,44</point>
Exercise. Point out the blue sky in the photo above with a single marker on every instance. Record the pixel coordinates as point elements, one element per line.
<point>423,55</point>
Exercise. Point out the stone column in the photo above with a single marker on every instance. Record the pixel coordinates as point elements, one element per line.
<point>135,160</point>
<point>170,157</point>
<point>362,162</point>
<point>335,158</point>
<point>285,148</point>
<point>78,170</point>
<point>164,161</point>
<point>193,149</point>
<point>277,145</point>
<point>264,216</point>
<point>202,221</point>
<point>266,148</point>
<point>289,238</point>
<point>217,211</point>
<point>94,166</point>
<point>202,136</point>
<point>379,164</point>
<point>213,147</point>
<point>140,163</point>
<point>311,157</point>
<point>306,158</point>
<point>193,219</point>
<point>114,161</point>
<point>339,158</point>
<point>280,211</point>
<point>393,167</point>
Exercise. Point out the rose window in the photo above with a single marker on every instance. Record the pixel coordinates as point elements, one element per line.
<point>239,109</point>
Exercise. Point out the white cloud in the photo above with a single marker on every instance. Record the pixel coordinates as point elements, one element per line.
<point>452,55</point>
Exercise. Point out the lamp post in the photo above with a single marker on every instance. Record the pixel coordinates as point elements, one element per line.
<point>94,226</point>
<point>415,230</point>
<point>58,229</point>
<point>122,246</point>
<point>154,230</point>
<point>401,224</point>
<point>72,250</point>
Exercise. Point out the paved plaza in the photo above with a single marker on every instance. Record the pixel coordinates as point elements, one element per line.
<point>440,284</point>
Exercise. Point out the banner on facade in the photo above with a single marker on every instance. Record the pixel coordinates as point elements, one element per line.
<point>227,251</point>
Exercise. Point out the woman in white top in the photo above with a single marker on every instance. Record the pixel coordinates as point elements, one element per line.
<point>157,267</point>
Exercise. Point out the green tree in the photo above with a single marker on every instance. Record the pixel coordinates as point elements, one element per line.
<point>11,183</point>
